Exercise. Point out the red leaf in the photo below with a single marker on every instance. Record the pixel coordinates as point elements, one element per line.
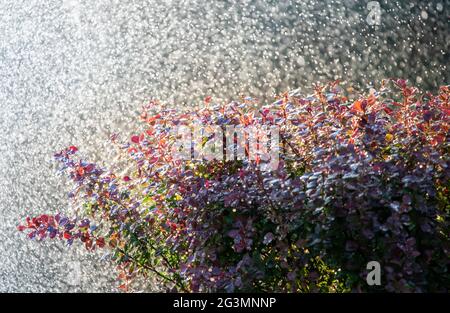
<point>388,110</point>
<point>400,83</point>
<point>67,235</point>
<point>123,287</point>
<point>72,149</point>
<point>100,242</point>
<point>44,218</point>
<point>21,228</point>
<point>358,106</point>
<point>88,168</point>
<point>437,140</point>
<point>88,244</point>
<point>80,171</point>
<point>135,139</point>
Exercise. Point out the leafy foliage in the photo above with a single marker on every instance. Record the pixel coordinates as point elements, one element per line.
<point>358,180</point>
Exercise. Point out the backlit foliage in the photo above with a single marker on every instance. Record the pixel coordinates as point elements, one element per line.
<point>359,180</point>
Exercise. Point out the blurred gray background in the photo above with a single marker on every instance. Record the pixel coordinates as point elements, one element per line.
<point>72,72</point>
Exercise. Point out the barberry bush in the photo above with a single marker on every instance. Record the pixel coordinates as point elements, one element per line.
<point>359,180</point>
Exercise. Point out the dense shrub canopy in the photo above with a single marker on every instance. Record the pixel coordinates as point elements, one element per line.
<point>358,180</point>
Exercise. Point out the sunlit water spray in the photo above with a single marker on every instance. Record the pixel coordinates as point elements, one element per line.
<point>72,72</point>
